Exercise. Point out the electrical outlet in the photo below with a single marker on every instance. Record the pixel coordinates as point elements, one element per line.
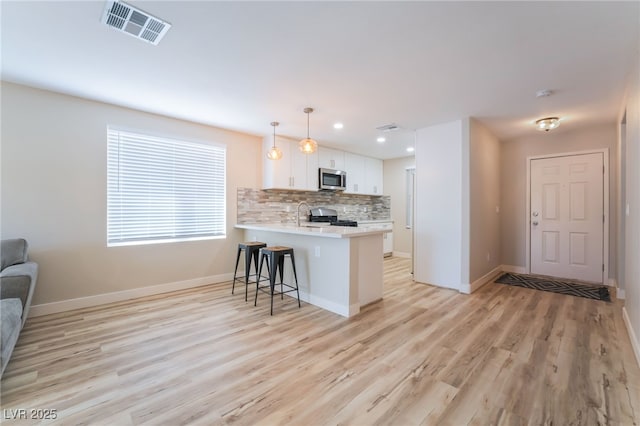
<point>288,208</point>
<point>317,251</point>
<point>497,209</point>
<point>365,209</point>
<point>488,257</point>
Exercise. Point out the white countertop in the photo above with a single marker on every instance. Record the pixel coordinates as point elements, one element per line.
<point>312,230</point>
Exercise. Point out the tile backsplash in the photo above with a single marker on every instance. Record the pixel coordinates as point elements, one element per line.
<point>279,206</point>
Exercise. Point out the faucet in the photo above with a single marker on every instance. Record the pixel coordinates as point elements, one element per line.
<point>298,211</point>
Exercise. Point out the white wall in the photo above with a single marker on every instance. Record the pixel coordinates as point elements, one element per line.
<point>621,202</point>
<point>484,195</point>
<point>439,208</point>
<point>395,186</point>
<point>54,195</point>
<point>514,175</point>
<point>632,223</point>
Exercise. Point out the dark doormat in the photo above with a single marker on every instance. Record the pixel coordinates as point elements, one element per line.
<point>556,286</point>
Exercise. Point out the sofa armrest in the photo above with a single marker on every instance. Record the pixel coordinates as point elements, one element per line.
<point>27,268</point>
<point>19,281</point>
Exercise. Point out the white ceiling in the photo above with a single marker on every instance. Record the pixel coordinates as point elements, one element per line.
<point>241,65</point>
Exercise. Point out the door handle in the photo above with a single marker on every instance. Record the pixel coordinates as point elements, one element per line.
<point>534,223</point>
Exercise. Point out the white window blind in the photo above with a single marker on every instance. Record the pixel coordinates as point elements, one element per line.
<point>161,189</point>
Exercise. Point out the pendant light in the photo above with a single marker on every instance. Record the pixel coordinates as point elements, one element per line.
<point>308,145</point>
<point>274,152</point>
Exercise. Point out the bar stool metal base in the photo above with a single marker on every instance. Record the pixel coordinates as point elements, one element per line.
<point>251,252</point>
<point>275,260</point>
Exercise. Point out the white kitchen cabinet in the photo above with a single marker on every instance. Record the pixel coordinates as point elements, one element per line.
<point>387,244</point>
<point>299,171</point>
<point>312,171</point>
<point>304,169</point>
<point>364,174</point>
<point>354,166</point>
<point>373,176</point>
<point>295,170</point>
<point>276,173</point>
<point>330,158</point>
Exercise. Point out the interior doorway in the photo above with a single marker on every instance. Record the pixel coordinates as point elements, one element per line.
<point>568,216</point>
<point>410,206</point>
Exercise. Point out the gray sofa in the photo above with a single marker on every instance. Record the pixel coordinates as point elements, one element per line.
<point>18,278</point>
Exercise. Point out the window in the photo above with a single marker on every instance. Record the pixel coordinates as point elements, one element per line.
<point>161,189</point>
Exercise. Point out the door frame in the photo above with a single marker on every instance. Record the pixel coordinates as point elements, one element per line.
<point>605,225</point>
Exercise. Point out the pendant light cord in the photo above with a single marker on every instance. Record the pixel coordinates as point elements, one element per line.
<point>274,124</point>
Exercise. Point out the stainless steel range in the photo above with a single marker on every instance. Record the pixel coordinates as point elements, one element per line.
<point>323,214</point>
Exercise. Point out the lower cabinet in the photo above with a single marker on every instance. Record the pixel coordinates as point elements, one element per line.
<point>387,244</point>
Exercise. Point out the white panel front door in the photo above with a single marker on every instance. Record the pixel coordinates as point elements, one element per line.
<point>567,217</point>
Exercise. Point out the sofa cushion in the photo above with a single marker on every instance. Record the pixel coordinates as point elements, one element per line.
<point>10,325</point>
<point>13,252</point>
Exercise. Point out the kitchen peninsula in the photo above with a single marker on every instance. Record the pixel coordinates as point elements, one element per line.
<point>339,268</point>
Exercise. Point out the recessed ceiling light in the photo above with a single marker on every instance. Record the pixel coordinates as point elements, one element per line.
<point>381,139</point>
<point>410,149</point>
<point>338,125</point>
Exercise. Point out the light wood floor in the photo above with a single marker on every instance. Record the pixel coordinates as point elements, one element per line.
<point>423,355</point>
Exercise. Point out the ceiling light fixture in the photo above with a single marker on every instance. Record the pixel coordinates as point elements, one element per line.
<point>308,145</point>
<point>391,127</point>
<point>381,139</point>
<point>543,93</point>
<point>548,123</point>
<point>274,152</point>
<point>410,149</point>
<point>338,126</point>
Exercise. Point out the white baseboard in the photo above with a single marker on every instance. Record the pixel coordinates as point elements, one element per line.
<point>402,254</point>
<point>486,278</point>
<point>612,282</point>
<point>514,269</point>
<point>336,308</point>
<point>632,335</point>
<point>119,296</point>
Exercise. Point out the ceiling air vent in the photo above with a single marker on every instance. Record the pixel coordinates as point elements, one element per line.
<point>388,127</point>
<point>135,22</point>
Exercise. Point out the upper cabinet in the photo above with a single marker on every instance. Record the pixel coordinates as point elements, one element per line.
<point>295,170</point>
<point>354,166</point>
<point>364,174</point>
<point>330,158</point>
<point>298,171</point>
<point>373,176</point>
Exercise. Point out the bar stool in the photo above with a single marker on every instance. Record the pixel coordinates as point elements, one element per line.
<point>275,259</point>
<point>251,252</point>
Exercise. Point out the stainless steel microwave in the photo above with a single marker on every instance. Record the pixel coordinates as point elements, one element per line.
<point>332,179</point>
